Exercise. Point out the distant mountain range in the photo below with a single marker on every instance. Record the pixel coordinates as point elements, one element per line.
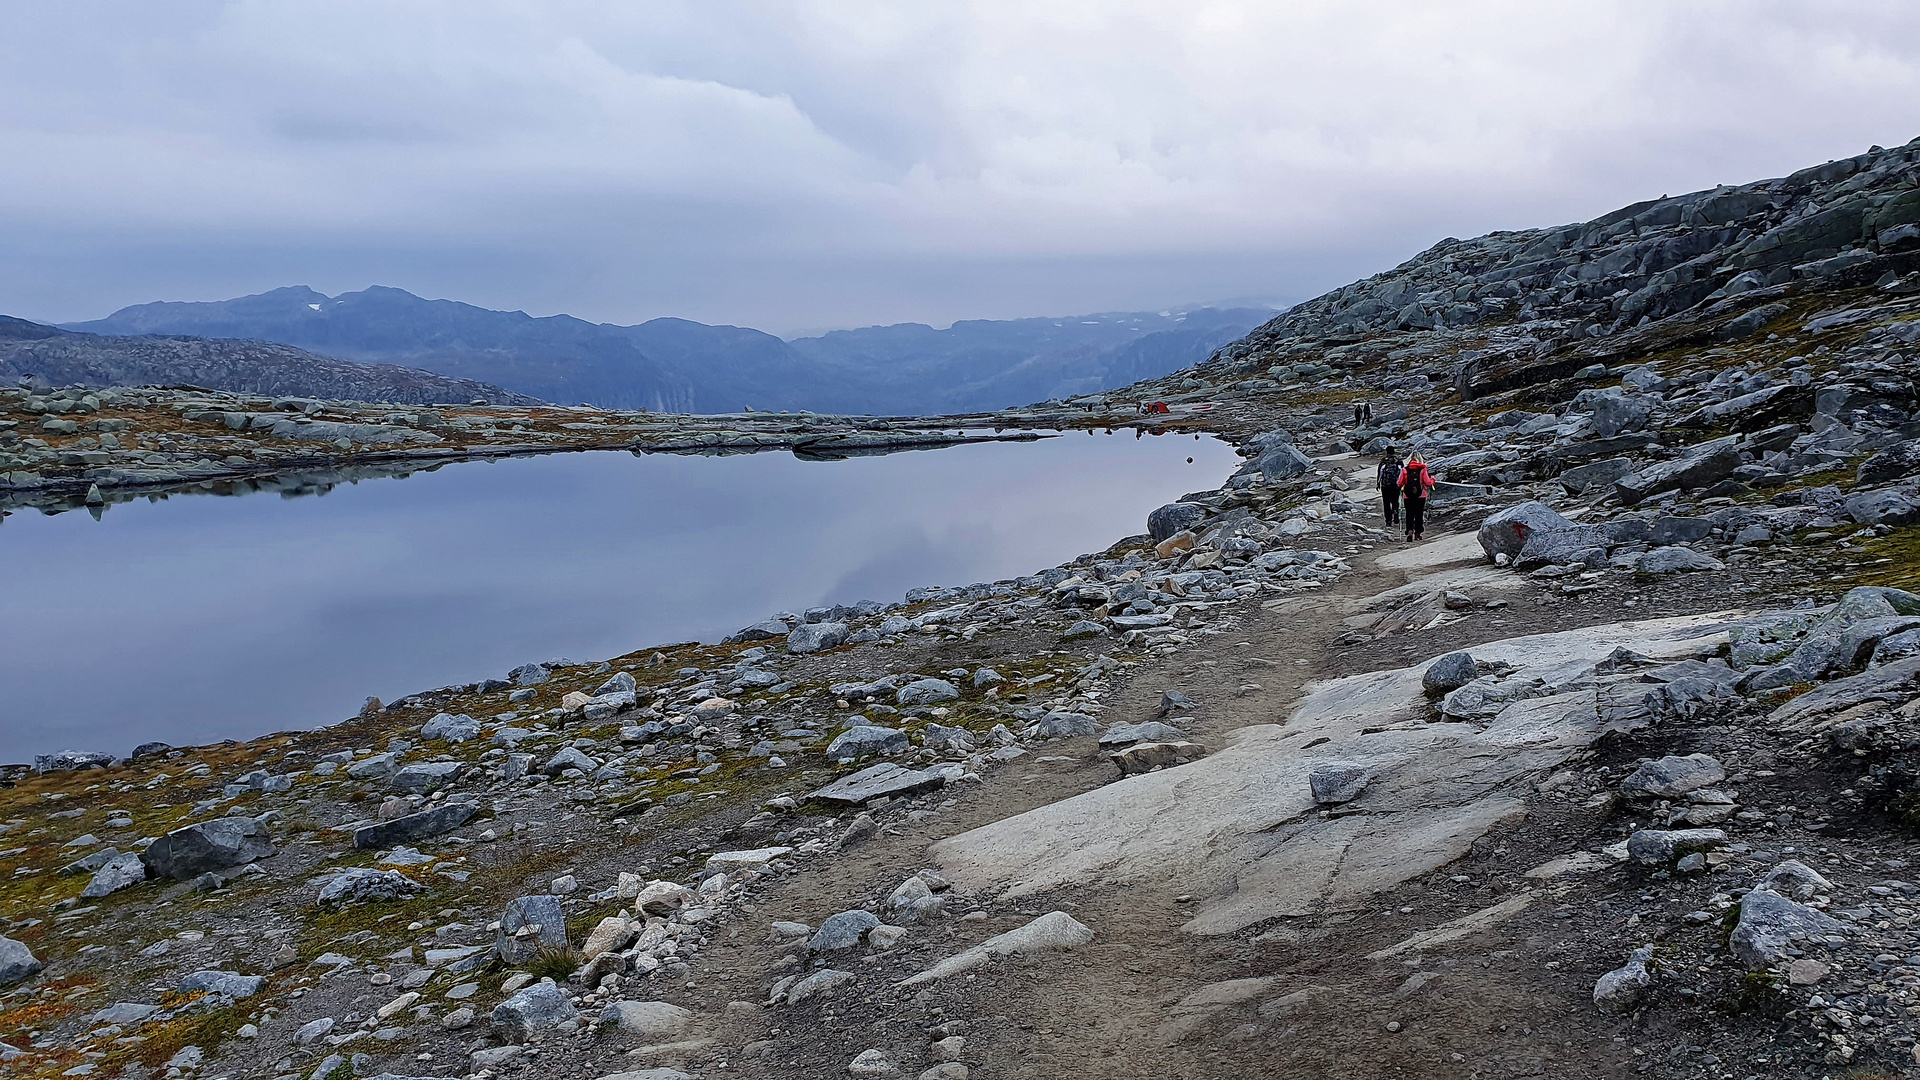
<point>64,358</point>
<point>682,366</point>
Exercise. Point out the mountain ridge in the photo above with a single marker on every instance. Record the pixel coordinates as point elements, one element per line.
<point>678,365</point>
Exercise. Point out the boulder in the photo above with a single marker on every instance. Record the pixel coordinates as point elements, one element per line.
<point>362,885</point>
<point>1882,507</point>
<point>1506,532</point>
<point>412,828</point>
<point>1448,673</point>
<point>569,757</point>
<point>842,931</point>
<point>377,767</point>
<point>820,982</point>
<point>1672,777</point>
<point>192,850</point>
<point>17,962</point>
<point>1151,731</point>
<point>1335,782</point>
<point>1599,474</point>
<point>1659,847</point>
<point>1173,518</point>
<point>1053,931</point>
<point>455,728</point>
<point>1619,990</point>
<point>817,637</point>
<point>1844,638</point>
<point>1060,725</point>
<point>760,631</point>
<point>611,933</point>
<point>1894,463</point>
<point>1146,757</point>
<point>1699,466</point>
<point>423,777</point>
<point>925,692</point>
<point>652,1021</point>
<point>1615,413</point>
<point>661,898</point>
<point>857,742</point>
<point>1795,880</point>
<point>1770,923</point>
<point>529,675</point>
<point>1276,464</point>
<point>541,1005</point>
<point>119,872</point>
<point>227,984</point>
<point>1675,560</point>
<point>541,910</point>
<point>876,781</point>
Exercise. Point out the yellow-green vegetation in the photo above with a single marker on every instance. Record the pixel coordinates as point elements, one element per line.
<point>1901,549</point>
<point>556,962</point>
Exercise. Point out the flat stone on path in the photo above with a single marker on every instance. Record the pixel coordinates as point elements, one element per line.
<point>885,779</point>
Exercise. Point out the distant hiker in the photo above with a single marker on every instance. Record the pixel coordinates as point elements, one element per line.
<point>1358,411</point>
<point>1366,411</point>
<point>1389,480</point>
<point>1416,483</point>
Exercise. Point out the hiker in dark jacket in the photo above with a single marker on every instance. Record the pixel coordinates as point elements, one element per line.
<point>1389,480</point>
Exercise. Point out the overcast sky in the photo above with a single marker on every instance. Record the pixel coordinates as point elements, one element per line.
<point>795,165</point>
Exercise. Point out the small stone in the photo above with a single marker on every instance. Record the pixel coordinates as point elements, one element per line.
<point>1620,989</point>
<point>871,1063</point>
<point>1806,972</point>
<point>1450,672</point>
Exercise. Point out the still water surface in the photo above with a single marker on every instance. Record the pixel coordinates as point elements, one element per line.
<point>200,618</point>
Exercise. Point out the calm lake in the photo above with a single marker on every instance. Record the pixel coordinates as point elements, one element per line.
<point>199,617</point>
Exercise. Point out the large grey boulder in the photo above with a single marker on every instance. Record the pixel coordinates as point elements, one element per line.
<point>1615,413</point>
<point>1620,989</point>
<point>1335,782</point>
<point>541,910</point>
<point>1883,508</point>
<point>1173,518</point>
<point>377,767</point>
<point>1697,467</point>
<point>1672,776</point>
<point>541,1005</point>
<point>857,742</point>
<point>925,692</point>
<point>1658,847</point>
<point>1147,756</point>
<point>1675,560</point>
<point>760,631</point>
<point>529,675</point>
<point>652,1021</point>
<point>227,984</point>
<point>817,637</point>
<point>1895,462</point>
<point>1506,532</point>
<point>1771,924</point>
<point>876,781</point>
<point>1059,724</point>
<point>192,850</point>
<point>423,777</point>
<point>1844,638</point>
<point>842,931</point>
<point>1277,464</point>
<point>1795,880</point>
<point>412,828</point>
<point>1558,547</point>
<point>569,757</point>
<point>1151,731</point>
<point>365,885</point>
<point>1580,478</point>
<point>120,872</point>
<point>452,727</point>
<point>1450,672</point>
<point>16,961</point>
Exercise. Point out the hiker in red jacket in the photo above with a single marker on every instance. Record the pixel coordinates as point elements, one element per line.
<point>1416,483</point>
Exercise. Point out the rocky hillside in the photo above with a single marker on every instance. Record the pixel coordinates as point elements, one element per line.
<point>65,358</point>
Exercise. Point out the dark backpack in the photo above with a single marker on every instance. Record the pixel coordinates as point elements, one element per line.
<point>1389,477</point>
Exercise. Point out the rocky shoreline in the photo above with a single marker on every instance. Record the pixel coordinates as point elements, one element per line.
<point>1615,776</point>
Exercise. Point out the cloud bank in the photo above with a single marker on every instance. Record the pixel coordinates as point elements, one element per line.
<point>811,164</point>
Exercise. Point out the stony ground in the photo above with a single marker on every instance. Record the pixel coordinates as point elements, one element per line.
<point>1612,775</point>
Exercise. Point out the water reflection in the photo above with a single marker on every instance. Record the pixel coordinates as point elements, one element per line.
<point>197,619</point>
